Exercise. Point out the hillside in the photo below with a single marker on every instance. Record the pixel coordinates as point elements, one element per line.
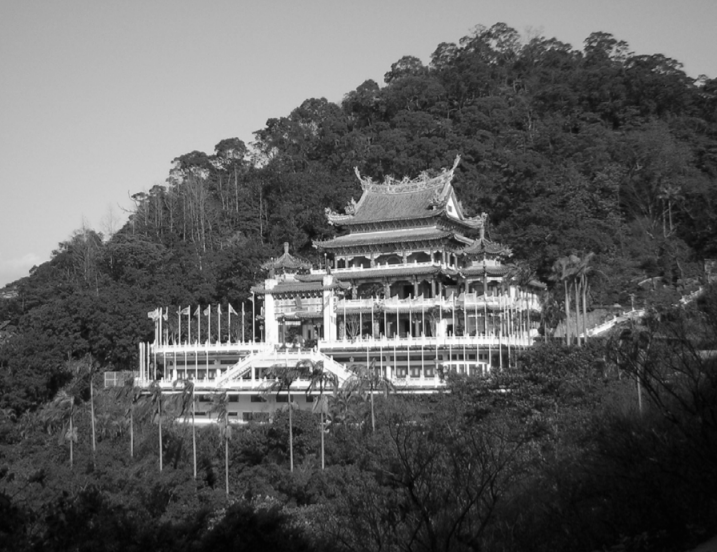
<point>569,151</point>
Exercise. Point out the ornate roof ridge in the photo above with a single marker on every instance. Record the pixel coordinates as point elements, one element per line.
<point>391,185</point>
<point>484,245</point>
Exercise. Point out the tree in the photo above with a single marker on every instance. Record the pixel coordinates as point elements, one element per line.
<point>130,392</point>
<point>156,400</point>
<point>584,269</point>
<point>86,368</point>
<point>220,407</point>
<point>367,380</point>
<point>61,410</point>
<point>187,407</point>
<point>284,377</point>
<point>320,378</point>
<point>562,273</point>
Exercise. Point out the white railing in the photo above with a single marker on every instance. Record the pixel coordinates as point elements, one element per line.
<point>614,321</point>
<point>470,301</point>
<point>207,347</point>
<point>381,267</point>
<point>428,342</point>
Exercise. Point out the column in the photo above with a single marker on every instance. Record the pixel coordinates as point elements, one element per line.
<point>328,305</point>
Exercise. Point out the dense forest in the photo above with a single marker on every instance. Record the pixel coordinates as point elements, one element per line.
<point>570,152</point>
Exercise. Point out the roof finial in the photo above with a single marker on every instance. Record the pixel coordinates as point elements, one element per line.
<point>286,248</point>
<point>455,163</point>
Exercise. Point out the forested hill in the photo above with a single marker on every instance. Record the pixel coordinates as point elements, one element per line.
<point>568,150</point>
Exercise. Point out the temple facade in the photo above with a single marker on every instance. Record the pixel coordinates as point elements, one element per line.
<point>410,288</point>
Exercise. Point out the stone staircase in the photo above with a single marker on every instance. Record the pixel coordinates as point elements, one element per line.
<point>287,357</point>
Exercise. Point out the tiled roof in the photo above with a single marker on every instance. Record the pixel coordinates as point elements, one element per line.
<point>389,236</point>
<point>310,277</point>
<point>302,315</point>
<point>483,245</point>
<point>489,270</point>
<point>394,200</point>
<point>286,262</point>
<point>297,287</point>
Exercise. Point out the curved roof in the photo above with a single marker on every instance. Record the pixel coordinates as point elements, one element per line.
<point>287,262</point>
<point>485,246</point>
<point>406,199</point>
<point>402,235</point>
<point>297,287</point>
<point>488,270</point>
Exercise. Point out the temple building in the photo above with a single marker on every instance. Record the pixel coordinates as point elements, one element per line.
<point>410,287</point>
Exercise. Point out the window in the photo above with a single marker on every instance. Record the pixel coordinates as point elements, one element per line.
<point>257,398</point>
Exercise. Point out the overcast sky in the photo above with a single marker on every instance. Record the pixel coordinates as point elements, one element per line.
<point>97,97</point>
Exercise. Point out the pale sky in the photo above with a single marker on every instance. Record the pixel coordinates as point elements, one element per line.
<point>97,97</point>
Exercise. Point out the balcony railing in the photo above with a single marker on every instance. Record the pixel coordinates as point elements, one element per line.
<point>469,341</point>
<point>469,301</point>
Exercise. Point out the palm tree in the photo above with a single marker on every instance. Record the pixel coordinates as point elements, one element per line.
<point>320,378</point>
<point>61,410</point>
<point>220,406</point>
<point>574,268</point>
<point>341,403</point>
<point>186,398</point>
<point>520,275</point>
<point>583,271</point>
<point>86,366</point>
<point>367,381</point>
<point>129,390</point>
<point>155,397</point>
<point>284,377</point>
<point>562,273</point>
<point>670,194</point>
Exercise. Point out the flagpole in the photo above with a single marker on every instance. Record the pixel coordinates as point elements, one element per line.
<point>179,323</point>
<point>253,320</point>
<point>219,323</point>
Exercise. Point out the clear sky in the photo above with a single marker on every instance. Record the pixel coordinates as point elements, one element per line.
<point>98,96</point>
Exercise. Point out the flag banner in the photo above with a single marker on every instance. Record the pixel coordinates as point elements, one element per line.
<point>154,315</point>
<point>196,312</point>
<point>165,314</point>
<point>231,309</point>
<point>207,310</point>
<point>184,311</point>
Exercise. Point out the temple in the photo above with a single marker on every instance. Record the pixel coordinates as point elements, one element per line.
<point>410,287</point>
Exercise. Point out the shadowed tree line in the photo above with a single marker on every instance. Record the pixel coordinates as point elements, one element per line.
<point>609,445</point>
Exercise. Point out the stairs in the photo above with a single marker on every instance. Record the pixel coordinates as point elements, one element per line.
<point>265,359</point>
